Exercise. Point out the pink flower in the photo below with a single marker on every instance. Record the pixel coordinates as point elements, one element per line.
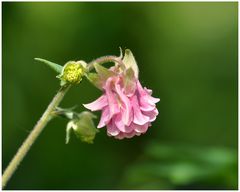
<point>127,108</point>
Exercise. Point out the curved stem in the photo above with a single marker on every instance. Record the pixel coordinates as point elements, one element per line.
<point>22,151</point>
<point>105,59</point>
<point>46,117</point>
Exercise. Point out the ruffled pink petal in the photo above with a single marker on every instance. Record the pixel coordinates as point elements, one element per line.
<point>105,118</point>
<point>120,125</point>
<point>120,136</point>
<point>144,106</point>
<point>140,88</point>
<point>139,118</point>
<point>126,111</point>
<point>98,104</point>
<point>127,115</point>
<point>152,100</point>
<point>112,100</point>
<point>148,90</point>
<point>145,96</point>
<point>151,114</point>
<point>140,128</point>
<point>138,134</point>
<point>130,135</point>
<point>112,129</point>
<point>130,87</point>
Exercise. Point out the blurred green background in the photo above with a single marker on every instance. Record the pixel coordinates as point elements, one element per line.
<point>187,53</point>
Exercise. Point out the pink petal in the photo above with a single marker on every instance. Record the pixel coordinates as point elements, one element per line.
<point>147,99</point>
<point>120,136</point>
<point>138,134</point>
<point>130,135</point>
<point>97,104</point>
<point>139,118</point>
<point>112,129</point>
<point>141,128</point>
<point>127,111</point>
<point>112,100</point>
<point>151,114</point>
<point>144,106</point>
<point>148,90</point>
<point>152,100</point>
<point>145,94</point>
<point>140,88</point>
<point>120,125</point>
<point>105,118</point>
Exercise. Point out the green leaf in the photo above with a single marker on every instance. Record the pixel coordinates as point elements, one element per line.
<point>54,66</point>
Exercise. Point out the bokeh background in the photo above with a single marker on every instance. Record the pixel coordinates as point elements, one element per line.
<point>187,53</point>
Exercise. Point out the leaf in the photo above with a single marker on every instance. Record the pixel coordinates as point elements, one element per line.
<point>54,66</point>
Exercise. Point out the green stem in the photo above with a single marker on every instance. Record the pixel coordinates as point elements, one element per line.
<point>22,151</point>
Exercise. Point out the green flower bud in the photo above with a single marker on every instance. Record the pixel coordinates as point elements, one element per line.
<point>72,72</point>
<point>83,126</point>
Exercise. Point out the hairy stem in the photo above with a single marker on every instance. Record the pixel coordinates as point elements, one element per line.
<point>22,151</point>
<point>46,117</point>
<point>105,59</point>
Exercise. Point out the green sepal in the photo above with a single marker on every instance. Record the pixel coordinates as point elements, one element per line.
<point>57,68</point>
<point>103,72</point>
<point>68,113</point>
<point>130,62</point>
<point>62,82</point>
<point>94,79</point>
<point>129,81</point>
<point>70,126</point>
<point>99,78</point>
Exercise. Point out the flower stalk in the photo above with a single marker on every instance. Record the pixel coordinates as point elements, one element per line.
<point>22,151</point>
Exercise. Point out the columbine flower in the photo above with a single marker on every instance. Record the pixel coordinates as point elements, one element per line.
<point>127,108</point>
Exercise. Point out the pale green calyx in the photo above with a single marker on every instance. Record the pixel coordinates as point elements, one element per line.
<point>130,62</point>
<point>100,77</point>
<point>83,126</point>
<point>72,72</point>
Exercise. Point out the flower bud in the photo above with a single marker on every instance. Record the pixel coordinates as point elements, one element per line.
<point>83,127</point>
<point>72,72</point>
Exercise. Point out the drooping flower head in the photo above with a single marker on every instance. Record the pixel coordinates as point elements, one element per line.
<point>127,108</point>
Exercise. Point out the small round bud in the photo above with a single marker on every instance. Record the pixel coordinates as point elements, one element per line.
<point>72,72</point>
